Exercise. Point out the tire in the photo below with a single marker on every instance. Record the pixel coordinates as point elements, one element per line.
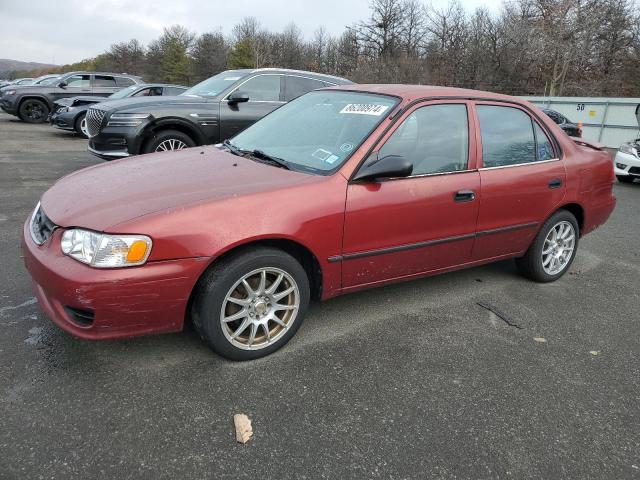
<point>224,280</point>
<point>165,138</point>
<point>80,125</point>
<point>532,264</point>
<point>625,178</point>
<point>33,110</point>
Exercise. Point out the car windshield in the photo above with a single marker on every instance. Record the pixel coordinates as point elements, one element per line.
<point>214,85</point>
<point>125,92</point>
<point>319,131</point>
<point>45,80</point>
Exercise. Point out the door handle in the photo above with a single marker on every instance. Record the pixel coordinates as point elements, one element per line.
<point>465,196</point>
<point>555,183</point>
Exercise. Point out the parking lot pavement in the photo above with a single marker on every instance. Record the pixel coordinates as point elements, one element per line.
<point>409,381</point>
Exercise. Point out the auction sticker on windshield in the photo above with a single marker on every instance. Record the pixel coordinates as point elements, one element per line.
<point>365,109</point>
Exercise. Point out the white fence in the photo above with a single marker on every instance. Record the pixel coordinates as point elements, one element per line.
<point>610,121</point>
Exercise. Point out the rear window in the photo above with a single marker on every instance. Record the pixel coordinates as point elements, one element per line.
<point>124,81</point>
<point>296,86</point>
<point>104,81</point>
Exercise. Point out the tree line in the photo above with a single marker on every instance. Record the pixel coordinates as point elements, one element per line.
<point>530,47</point>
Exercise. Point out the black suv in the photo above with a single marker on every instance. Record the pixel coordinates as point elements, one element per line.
<point>210,112</point>
<point>564,123</point>
<point>32,103</point>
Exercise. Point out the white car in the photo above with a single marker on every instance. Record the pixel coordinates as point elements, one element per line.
<point>626,165</point>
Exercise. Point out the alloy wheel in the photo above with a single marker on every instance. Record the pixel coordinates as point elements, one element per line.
<point>259,308</point>
<point>83,127</point>
<point>558,247</point>
<point>171,144</point>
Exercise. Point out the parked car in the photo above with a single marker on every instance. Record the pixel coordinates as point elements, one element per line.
<point>339,190</point>
<point>627,159</point>
<point>33,103</point>
<point>210,112</point>
<point>21,81</point>
<point>570,128</point>
<point>70,113</point>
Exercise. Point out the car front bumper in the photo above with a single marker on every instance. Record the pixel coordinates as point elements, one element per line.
<point>626,164</point>
<point>63,120</point>
<point>99,304</point>
<point>116,142</point>
<point>8,104</point>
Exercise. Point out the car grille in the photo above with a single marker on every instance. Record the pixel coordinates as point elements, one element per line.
<point>94,121</point>
<point>41,226</point>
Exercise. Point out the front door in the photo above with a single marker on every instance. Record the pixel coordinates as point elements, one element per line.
<point>265,95</point>
<point>401,227</point>
<point>523,180</point>
<point>77,85</point>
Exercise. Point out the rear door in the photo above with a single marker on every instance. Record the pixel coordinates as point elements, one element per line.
<point>407,226</point>
<point>104,85</point>
<point>523,179</point>
<point>265,95</point>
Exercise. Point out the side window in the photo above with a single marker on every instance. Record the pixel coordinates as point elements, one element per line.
<point>145,92</point>
<point>263,88</point>
<point>173,90</point>
<point>507,136</point>
<point>79,81</point>
<point>544,149</point>
<point>434,138</point>
<point>296,86</point>
<point>124,81</point>
<point>104,81</point>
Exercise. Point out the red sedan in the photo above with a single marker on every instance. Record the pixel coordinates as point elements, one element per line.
<point>342,189</point>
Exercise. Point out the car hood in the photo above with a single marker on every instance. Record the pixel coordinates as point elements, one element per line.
<point>103,196</point>
<point>148,102</point>
<point>30,88</point>
<point>66,102</point>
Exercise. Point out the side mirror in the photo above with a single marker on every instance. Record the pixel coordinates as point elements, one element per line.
<point>238,97</point>
<point>386,167</point>
<point>62,84</point>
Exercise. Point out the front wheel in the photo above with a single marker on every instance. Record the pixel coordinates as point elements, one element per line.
<point>81,125</point>
<point>553,249</point>
<point>250,305</point>
<point>625,178</point>
<point>33,111</point>
<point>168,140</point>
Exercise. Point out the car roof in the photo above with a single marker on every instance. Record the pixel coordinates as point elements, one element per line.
<point>84,72</point>
<point>300,72</point>
<point>413,92</point>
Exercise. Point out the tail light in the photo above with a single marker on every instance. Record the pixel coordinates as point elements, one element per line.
<point>580,129</point>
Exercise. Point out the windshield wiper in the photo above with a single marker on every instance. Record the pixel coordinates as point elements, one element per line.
<point>269,158</point>
<point>233,149</point>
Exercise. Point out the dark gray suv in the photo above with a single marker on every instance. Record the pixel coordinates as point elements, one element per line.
<point>212,111</point>
<point>32,103</point>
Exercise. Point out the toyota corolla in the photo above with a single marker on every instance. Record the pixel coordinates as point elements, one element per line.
<point>342,189</point>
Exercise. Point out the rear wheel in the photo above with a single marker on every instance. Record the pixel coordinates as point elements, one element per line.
<point>250,305</point>
<point>33,110</point>
<point>80,125</point>
<point>625,178</point>
<point>553,250</point>
<point>167,140</point>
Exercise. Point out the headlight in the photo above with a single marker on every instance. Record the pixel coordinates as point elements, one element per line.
<point>627,148</point>
<point>101,250</point>
<point>10,92</point>
<point>71,109</point>
<point>127,119</point>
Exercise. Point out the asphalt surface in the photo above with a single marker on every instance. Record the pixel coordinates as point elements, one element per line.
<point>415,380</point>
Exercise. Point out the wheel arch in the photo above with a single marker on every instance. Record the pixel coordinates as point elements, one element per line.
<point>171,124</point>
<point>297,250</point>
<point>576,210</point>
<point>34,96</point>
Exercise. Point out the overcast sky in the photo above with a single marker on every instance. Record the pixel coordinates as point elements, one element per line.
<point>66,31</point>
